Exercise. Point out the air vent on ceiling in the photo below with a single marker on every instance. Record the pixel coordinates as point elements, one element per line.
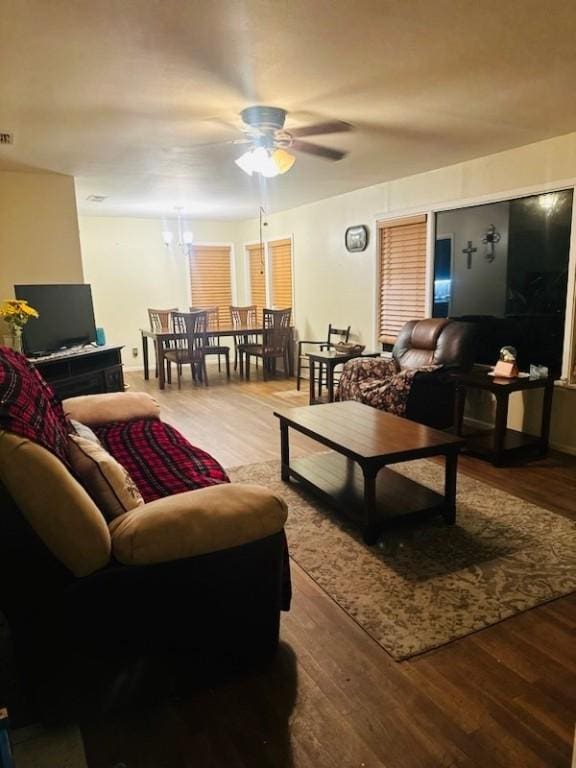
<point>96,198</point>
<point>6,137</point>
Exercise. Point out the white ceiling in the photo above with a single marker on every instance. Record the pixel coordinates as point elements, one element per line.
<point>119,93</point>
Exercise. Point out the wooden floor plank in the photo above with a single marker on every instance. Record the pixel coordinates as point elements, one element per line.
<point>502,698</point>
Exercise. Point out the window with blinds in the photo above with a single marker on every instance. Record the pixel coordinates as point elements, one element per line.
<point>257,270</point>
<point>402,274</point>
<point>280,262</point>
<point>211,279</point>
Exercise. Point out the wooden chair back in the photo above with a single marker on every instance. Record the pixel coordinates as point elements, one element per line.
<point>276,330</point>
<point>194,325</point>
<point>212,318</point>
<point>337,335</point>
<point>212,322</point>
<point>160,319</point>
<point>244,317</point>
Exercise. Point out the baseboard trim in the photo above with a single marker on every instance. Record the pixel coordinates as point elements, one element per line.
<point>571,449</point>
<point>477,423</point>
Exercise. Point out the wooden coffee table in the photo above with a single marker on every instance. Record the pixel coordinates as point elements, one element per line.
<point>353,477</point>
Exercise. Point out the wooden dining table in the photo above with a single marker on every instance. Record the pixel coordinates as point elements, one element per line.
<point>163,339</point>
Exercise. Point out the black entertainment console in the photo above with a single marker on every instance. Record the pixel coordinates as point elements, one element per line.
<point>86,371</point>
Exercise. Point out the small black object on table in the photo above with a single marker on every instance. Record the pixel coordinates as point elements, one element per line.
<point>502,444</point>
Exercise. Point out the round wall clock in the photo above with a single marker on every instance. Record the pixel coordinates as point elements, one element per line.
<point>356,238</point>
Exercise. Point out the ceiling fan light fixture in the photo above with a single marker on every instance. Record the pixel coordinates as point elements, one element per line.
<point>284,160</point>
<point>245,162</point>
<point>263,163</point>
<point>268,163</point>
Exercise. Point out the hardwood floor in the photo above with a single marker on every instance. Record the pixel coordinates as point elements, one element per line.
<point>501,698</point>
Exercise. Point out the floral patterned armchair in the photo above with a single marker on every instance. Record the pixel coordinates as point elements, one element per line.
<point>416,381</point>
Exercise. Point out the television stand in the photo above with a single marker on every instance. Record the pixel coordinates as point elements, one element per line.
<point>86,371</point>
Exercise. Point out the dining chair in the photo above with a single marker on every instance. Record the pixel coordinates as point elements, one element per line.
<point>213,346</point>
<point>190,350</point>
<point>334,336</point>
<point>244,317</point>
<point>159,320</point>
<point>276,335</point>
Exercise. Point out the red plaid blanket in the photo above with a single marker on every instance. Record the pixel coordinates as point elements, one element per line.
<point>159,459</point>
<point>29,407</point>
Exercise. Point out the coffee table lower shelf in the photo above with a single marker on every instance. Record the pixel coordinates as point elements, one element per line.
<point>339,482</point>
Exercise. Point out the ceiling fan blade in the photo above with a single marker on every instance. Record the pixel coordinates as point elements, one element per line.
<point>315,149</point>
<point>336,126</point>
<point>192,147</point>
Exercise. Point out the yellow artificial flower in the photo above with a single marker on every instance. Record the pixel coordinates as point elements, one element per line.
<point>16,312</point>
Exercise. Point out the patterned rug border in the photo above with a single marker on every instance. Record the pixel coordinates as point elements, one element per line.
<point>341,526</point>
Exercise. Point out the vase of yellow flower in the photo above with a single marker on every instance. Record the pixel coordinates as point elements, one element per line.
<point>16,313</point>
<point>15,339</point>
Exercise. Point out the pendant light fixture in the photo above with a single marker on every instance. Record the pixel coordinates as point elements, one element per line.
<point>184,235</point>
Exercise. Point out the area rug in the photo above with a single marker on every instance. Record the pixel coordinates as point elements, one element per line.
<point>37,747</point>
<point>424,586</point>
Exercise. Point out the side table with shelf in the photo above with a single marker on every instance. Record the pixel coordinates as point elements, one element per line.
<point>328,359</point>
<point>502,444</point>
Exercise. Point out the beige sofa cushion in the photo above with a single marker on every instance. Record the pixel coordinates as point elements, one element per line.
<point>106,480</point>
<point>113,406</point>
<point>83,430</point>
<point>55,504</point>
<point>196,522</point>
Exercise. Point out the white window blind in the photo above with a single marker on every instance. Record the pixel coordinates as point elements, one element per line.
<point>211,280</point>
<point>402,274</point>
<point>257,268</point>
<point>280,260</point>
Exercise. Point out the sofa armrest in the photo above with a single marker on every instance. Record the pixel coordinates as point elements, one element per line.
<point>54,504</point>
<point>196,523</point>
<point>432,399</point>
<point>114,406</point>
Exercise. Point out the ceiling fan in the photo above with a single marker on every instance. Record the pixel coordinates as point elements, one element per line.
<point>271,143</point>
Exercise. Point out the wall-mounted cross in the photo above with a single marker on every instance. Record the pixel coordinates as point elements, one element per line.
<point>469,251</point>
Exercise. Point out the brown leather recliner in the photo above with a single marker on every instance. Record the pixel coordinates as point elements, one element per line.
<point>415,382</point>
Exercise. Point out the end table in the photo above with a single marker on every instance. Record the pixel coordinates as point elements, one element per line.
<point>502,444</point>
<point>329,359</point>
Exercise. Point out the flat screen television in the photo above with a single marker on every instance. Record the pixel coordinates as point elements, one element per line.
<point>66,317</point>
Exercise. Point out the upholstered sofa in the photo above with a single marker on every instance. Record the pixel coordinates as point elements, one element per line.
<point>416,382</point>
<point>187,583</point>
